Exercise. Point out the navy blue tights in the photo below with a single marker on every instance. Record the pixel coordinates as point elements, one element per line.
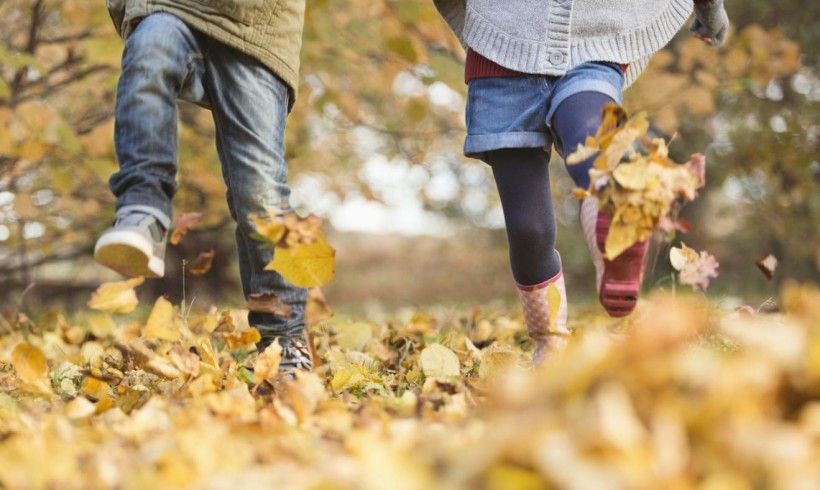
<point>522,178</point>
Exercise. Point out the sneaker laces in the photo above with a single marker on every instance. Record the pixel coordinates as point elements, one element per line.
<point>295,355</point>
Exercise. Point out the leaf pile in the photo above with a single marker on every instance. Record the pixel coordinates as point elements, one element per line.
<point>680,396</point>
<point>642,191</point>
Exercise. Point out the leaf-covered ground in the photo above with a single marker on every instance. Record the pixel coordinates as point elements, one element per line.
<point>681,395</point>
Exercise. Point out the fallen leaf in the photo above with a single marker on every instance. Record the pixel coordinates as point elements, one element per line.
<point>116,297</point>
<point>437,361</point>
<point>162,323</point>
<point>32,368</point>
<point>266,365</point>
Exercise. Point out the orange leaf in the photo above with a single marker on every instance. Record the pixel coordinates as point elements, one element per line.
<point>203,262</point>
<point>182,225</point>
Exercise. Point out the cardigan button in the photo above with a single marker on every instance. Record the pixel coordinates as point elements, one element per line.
<point>556,57</point>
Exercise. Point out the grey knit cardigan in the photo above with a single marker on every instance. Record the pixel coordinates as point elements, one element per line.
<point>548,37</point>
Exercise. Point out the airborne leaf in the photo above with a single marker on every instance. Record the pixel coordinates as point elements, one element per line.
<point>116,297</point>
<point>305,265</point>
<point>182,225</point>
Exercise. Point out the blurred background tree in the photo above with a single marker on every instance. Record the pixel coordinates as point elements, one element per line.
<point>374,145</point>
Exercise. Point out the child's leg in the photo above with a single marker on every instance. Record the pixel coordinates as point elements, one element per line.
<point>250,106</point>
<point>619,280</point>
<point>155,65</point>
<point>522,177</point>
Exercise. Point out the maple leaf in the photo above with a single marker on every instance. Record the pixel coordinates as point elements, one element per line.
<point>695,268</point>
<point>182,225</point>
<point>116,297</point>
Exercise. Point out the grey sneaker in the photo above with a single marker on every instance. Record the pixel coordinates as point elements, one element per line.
<point>134,246</point>
<point>295,355</point>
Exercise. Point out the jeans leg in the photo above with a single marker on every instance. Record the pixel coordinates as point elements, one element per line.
<point>250,105</point>
<point>156,63</point>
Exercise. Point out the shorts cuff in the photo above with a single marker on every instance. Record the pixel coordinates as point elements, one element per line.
<point>477,144</point>
<point>589,85</point>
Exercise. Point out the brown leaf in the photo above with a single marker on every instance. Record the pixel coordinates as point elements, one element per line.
<point>182,225</point>
<point>268,303</point>
<point>318,307</point>
<point>203,262</point>
<point>767,265</point>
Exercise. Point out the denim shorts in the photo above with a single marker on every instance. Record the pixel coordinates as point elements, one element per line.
<point>516,112</point>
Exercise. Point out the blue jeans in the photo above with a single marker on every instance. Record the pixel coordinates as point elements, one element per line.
<point>164,60</point>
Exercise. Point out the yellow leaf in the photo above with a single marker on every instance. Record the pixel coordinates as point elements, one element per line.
<point>304,393</point>
<point>116,297</point>
<point>348,377</point>
<point>621,236</point>
<point>242,338</point>
<point>353,336</point>
<point>32,368</point>
<point>272,230</point>
<point>306,265</point>
<point>438,361</point>
<point>623,139</point>
<point>495,362</point>
<point>634,176</point>
<point>583,152</point>
<point>162,323</point>
<point>510,477</point>
<point>79,408</point>
<point>266,365</point>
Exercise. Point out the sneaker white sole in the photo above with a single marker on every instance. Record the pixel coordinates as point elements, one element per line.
<point>128,253</point>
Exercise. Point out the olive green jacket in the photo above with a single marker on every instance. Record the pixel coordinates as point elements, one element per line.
<point>268,30</point>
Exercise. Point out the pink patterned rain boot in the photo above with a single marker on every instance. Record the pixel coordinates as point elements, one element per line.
<point>545,312</point>
<point>619,280</point>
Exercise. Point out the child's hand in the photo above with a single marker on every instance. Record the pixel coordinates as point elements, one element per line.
<point>711,22</point>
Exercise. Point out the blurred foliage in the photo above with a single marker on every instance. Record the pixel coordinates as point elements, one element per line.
<point>385,79</point>
<point>680,395</point>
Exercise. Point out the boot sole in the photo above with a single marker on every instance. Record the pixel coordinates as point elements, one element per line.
<point>128,253</point>
<point>621,282</point>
